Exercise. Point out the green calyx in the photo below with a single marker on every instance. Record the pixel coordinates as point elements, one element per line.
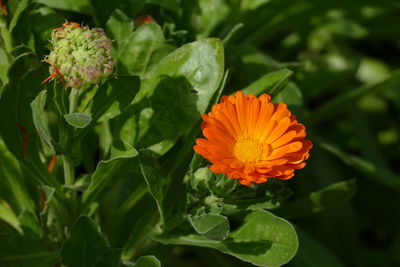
<point>81,55</point>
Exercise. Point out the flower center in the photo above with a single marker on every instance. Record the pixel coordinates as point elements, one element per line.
<point>248,151</point>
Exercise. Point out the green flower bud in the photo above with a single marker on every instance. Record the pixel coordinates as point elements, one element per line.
<point>81,56</point>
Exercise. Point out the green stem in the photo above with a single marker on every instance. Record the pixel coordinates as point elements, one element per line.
<point>69,170</point>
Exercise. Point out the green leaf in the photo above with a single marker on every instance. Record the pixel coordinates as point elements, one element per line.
<point>19,133</point>
<point>290,95</point>
<point>135,49</point>
<point>271,83</point>
<point>81,6</point>
<point>110,100</point>
<point>330,196</point>
<point>85,244</point>
<point>22,5</point>
<point>147,261</point>
<point>151,174</point>
<point>212,226</point>
<point>120,148</point>
<point>40,119</point>
<point>263,239</point>
<point>179,89</point>
<point>78,120</point>
<point>7,215</point>
<point>30,224</point>
<point>108,170</point>
<point>200,62</point>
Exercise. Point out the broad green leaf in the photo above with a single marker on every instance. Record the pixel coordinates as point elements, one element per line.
<point>147,261</point>
<point>110,100</point>
<point>107,171</point>
<point>81,6</point>
<point>85,244</point>
<point>7,215</point>
<point>179,89</point>
<point>271,83</point>
<point>212,226</point>
<point>30,224</point>
<point>135,55</point>
<point>201,63</point>
<point>19,133</point>
<point>40,118</point>
<point>78,120</point>
<point>330,196</point>
<point>137,50</point>
<point>264,239</point>
<point>206,16</point>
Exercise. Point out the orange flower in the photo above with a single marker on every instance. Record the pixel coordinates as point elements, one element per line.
<point>251,139</point>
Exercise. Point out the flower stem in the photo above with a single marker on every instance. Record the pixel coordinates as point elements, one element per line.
<point>69,169</point>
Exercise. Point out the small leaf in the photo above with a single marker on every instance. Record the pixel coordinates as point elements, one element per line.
<point>212,226</point>
<point>85,245</point>
<point>147,261</point>
<point>40,118</point>
<point>122,149</point>
<point>78,120</point>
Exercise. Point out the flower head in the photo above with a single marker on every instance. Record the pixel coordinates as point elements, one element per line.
<point>79,55</point>
<point>252,139</point>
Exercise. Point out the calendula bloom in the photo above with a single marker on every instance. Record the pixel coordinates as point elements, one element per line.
<point>79,55</point>
<point>251,139</point>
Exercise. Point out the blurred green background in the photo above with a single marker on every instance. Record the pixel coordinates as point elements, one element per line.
<point>345,89</point>
<point>344,59</point>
